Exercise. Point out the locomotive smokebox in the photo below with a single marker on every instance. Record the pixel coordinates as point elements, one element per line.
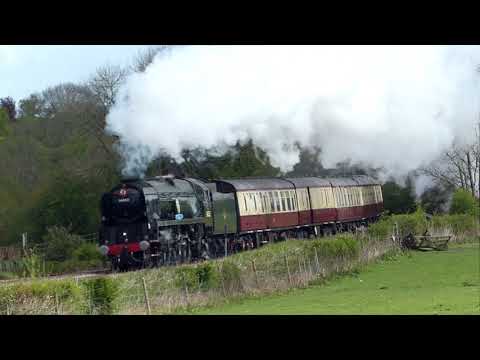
<point>129,179</point>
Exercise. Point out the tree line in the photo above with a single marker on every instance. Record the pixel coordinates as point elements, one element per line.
<point>58,159</point>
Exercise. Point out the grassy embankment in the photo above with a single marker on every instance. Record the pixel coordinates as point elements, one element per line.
<point>445,282</point>
<point>273,269</point>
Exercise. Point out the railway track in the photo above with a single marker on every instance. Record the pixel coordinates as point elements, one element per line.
<point>77,275</point>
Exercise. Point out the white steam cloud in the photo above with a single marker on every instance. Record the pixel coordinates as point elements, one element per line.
<point>396,107</point>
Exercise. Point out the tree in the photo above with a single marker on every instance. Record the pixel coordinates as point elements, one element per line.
<point>145,57</point>
<point>31,106</point>
<point>435,198</point>
<point>106,83</point>
<point>458,167</point>
<point>463,203</point>
<point>398,199</point>
<point>68,98</point>
<point>4,128</point>
<point>69,202</point>
<point>8,105</point>
<point>240,160</point>
<point>309,163</point>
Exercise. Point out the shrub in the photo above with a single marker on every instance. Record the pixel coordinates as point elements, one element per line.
<point>458,223</point>
<point>87,252</point>
<point>463,202</point>
<point>31,265</point>
<point>340,246</point>
<point>202,276</point>
<point>25,294</point>
<point>381,229</point>
<point>231,276</point>
<point>102,294</point>
<point>60,243</point>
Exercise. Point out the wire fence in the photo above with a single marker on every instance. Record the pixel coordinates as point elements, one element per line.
<point>175,289</point>
<point>167,292</point>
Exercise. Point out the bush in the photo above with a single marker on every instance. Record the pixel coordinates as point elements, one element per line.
<point>31,265</point>
<point>381,229</point>
<point>231,276</point>
<point>60,243</point>
<point>102,294</point>
<point>459,223</point>
<point>202,276</point>
<point>341,246</point>
<point>463,202</point>
<point>415,223</point>
<point>87,252</point>
<point>17,295</point>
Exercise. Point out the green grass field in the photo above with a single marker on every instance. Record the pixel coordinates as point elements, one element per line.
<point>431,282</point>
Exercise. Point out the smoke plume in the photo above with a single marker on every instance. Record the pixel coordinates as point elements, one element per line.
<point>396,107</point>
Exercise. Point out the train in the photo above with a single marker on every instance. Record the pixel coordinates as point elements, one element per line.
<point>166,220</point>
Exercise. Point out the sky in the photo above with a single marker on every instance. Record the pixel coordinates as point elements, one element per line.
<point>25,69</point>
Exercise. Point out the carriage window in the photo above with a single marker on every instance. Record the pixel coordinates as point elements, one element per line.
<point>245,202</point>
<point>281,200</point>
<point>289,203</point>
<point>254,201</point>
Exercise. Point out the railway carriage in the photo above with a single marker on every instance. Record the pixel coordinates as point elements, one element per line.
<point>318,207</point>
<point>347,199</point>
<point>370,195</point>
<point>262,203</point>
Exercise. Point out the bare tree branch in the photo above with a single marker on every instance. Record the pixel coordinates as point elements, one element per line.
<point>145,58</point>
<point>106,83</point>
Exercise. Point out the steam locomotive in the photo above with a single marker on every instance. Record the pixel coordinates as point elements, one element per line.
<point>167,220</point>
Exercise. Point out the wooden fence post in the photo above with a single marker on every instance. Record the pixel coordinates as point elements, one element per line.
<point>185,286</point>
<point>316,260</point>
<point>255,272</point>
<point>310,268</point>
<point>299,269</point>
<point>288,270</point>
<point>220,266</point>
<point>57,311</point>
<point>147,300</point>
<point>305,267</point>
<point>91,300</point>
